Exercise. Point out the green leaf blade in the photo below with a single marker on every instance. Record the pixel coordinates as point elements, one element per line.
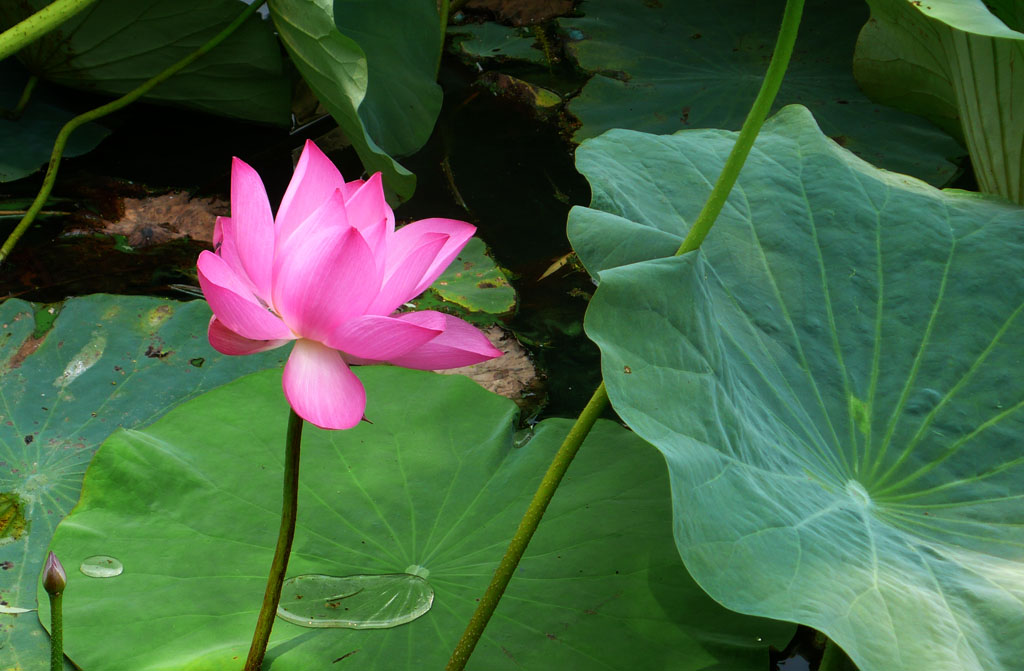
<point>475,282</point>
<point>28,140</point>
<point>403,97</point>
<point>824,378</point>
<point>382,93</point>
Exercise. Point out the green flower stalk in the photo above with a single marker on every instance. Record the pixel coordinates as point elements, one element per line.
<point>19,36</point>
<point>54,582</point>
<point>289,511</point>
<point>755,118</point>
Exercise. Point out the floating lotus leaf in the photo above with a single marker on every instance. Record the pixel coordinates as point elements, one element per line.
<point>434,487</point>
<point>69,376</point>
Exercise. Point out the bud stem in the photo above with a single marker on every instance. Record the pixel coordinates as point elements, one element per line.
<point>56,632</point>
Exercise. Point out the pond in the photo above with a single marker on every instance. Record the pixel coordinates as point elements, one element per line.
<point>796,430</point>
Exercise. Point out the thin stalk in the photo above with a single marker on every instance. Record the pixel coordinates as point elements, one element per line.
<point>26,95</point>
<point>713,206</point>
<point>289,511</point>
<point>751,127</point>
<point>103,110</point>
<point>20,35</point>
<point>444,31</point>
<point>56,632</point>
<point>527,527</point>
<point>43,213</point>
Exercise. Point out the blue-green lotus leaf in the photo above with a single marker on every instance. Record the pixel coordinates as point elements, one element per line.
<point>834,380</point>
<point>435,486</point>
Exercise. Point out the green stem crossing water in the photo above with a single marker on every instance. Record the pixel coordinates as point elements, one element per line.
<point>712,207</point>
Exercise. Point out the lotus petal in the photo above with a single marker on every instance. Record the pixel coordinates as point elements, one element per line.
<point>226,341</point>
<point>254,225</point>
<point>461,344</point>
<point>234,304</point>
<point>320,387</point>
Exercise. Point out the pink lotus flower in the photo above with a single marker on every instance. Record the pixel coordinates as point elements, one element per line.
<point>329,272</point>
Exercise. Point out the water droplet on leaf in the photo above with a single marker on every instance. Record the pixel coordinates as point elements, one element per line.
<point>101,566</point>
<point>355,601</point>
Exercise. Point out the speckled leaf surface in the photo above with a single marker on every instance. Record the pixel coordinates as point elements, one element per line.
<point>475,282</point>
<point>107,362</point>
<point>493,41</point>
<point>834,380</point>
<point>435,485</point>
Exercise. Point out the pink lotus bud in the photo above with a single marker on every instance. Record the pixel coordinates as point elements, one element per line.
<point>54,577</point>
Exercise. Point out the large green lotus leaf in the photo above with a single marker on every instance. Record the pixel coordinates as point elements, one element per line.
<point>953,62</point>
<point>114,46</point>
<point>381,90</point>
<point>436,484</point>
<point>28,139</point>
<point>665,66</point>
<point>833,380</point>
<point>65,385</point>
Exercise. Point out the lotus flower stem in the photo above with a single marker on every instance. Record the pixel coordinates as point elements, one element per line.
<point>56,632</point>
<point>528,525</point>
<point>20,35</point>
<point>103,110</point>
<point>751,127</point>
<point>286,534</point>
